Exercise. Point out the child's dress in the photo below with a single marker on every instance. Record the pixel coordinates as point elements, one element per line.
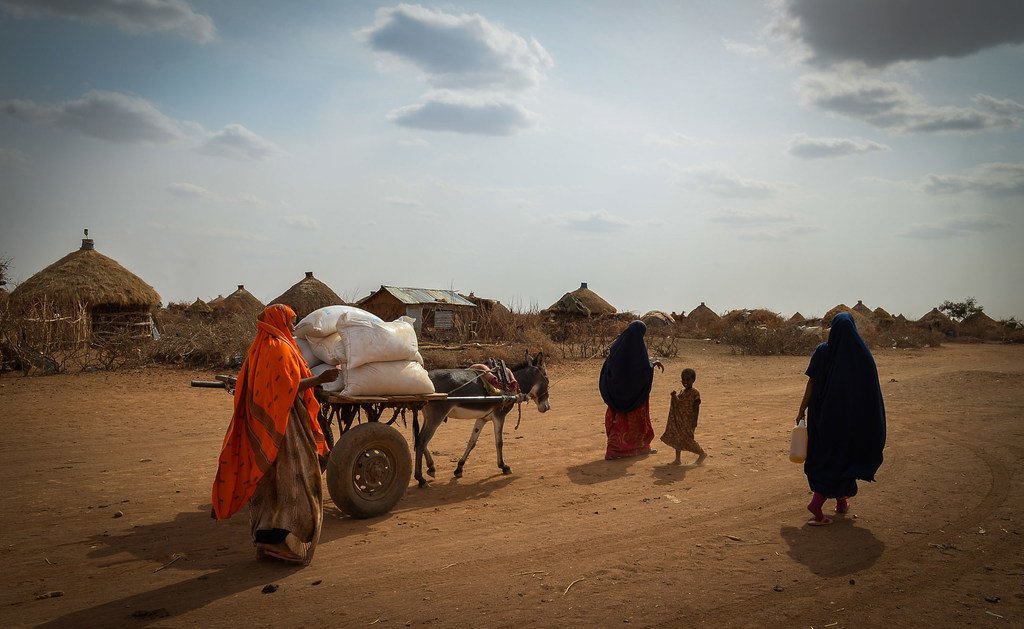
<point>682,420</point>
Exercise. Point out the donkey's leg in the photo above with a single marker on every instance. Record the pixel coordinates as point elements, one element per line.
<point>431,421</point>
<point>499,426</point>
<point>469,446</point>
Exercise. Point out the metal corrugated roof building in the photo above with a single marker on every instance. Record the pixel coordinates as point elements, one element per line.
<point>412,296</point>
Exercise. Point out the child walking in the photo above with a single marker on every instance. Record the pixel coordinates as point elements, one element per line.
<point>684,408</point>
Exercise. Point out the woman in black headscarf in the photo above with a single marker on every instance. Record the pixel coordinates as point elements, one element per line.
<point>846,418</point>
<point>626,379</point>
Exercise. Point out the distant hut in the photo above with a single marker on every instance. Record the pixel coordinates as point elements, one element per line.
<point>657,319</point>
<point>864,310</point>
<point>937,322</point>
<point>679,317</point>
<point>826,319</point>
<point>216,303</point>
<point>882,317</point>
<point>198,309</point>
<point>900,318</point>
<point>307,295</point>
<point>881,313</point>
<point>435,310</point>
<point>581,302</point>
<point>980,325</point>
<point>702,317</point>
<point>758,316</point>
<point>861,320</point>
<point>242,302</point>
<point>797,318</point>
<point>489,306</point>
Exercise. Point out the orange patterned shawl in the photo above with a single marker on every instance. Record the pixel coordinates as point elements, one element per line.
<point>267,387</point>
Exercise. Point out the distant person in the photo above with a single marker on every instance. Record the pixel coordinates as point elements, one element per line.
<point>683,411</point>
<point>625,383</point>
<point>273,447</point>
<point>846,418</point>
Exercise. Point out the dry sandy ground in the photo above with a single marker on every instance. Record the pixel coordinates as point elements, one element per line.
<point>567,539</point>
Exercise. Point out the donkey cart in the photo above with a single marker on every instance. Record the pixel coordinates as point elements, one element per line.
<point>370,466</point>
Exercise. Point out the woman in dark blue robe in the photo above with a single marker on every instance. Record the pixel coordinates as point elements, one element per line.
<point>625,383</point>
<point>846,418</point>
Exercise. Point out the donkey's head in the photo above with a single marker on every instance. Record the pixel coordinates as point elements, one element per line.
<point>533,380</point>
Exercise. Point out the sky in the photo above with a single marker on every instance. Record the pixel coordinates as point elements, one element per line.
<point>789,154</point>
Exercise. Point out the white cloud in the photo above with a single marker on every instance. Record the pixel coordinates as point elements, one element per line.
<point>458,51</point>
<point>131,16</point>
<point>891,106</point>
<point>992,180</point>
<point>191,191</point>
<point>237,142</point>
<point>673,140</point>
<point>463,113</point>
<point>749,218</point>
<point>806,147</point>
<point>402,202</point>
<point>301,221</point>
<point>743,50</point>
<point>958,227</point>
<point>110,116</point>
<point>600,221</point>
<point>1004,106</point>
<point>877,33</point>
<point>723,183</point>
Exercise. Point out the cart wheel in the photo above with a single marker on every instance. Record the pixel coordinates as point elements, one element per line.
<point>369,470</point>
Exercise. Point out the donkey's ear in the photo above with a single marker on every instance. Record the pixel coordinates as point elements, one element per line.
<point>529,359</point>
<point>539,359</point>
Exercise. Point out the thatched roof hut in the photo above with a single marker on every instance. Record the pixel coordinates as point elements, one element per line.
<point>797,318</point>
<point>657,318</point>
<point>582,302</point>
<point>938,322</point>
<point>112,297</point>
<point>881,313</point>
<point>702,317</point>
<point>489,306</point>
<point>826,319</point>
<point>198,308</point>
<point>242,301</point>
<point>758,316</point>
<point>980,325</point>
<point>307,295</point>
<point>861,308</point>
<point>216,302</point>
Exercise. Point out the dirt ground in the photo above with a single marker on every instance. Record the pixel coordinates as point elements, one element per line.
<point>568,539</point>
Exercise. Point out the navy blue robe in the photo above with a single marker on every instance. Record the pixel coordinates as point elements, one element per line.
<point>627,373</point>
<point>846,415</point>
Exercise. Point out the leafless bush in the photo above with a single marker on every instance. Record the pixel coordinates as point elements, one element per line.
<point>42,339</point>
<point>770,340</point>
<point>209,342</point>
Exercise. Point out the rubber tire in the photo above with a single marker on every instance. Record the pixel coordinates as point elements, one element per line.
<point>341,468</point>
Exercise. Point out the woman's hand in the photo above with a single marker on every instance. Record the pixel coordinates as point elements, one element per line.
<point>328,376</point>
<point>658,364</point>
<point>799,416</point>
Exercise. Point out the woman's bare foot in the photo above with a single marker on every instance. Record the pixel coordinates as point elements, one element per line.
<point>700,459</point>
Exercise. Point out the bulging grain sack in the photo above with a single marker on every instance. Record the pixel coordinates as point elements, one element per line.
<point>324,321</point>
<point>337,385</point>
<point>397,377</point>
<point>307,352</point>
<point>328,349</point>
<point>376,342</point>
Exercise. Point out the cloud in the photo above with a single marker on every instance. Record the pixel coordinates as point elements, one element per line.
<point>959,227</point>
<point>992,180</point>
<point>673,140</point>
<point>12,158</point>
<point>301,221</point>
<point>806,147</point>
<point>402,202</point>
<point>748,218</point>
<point>722,183</point>
<point>891,106</point>
<point>237,142</point>
<point>131,16</point>
<point>1006,106</point>
<point>110,116</point>
<point>599,221</point>
<point>458,51</point>
<point>189,191</point>
<point>878,33</point>
<point>449,111</point>
<point>743,50</point>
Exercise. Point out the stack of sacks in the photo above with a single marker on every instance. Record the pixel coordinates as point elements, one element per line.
<point>382,358</point>
<point>374,357</point>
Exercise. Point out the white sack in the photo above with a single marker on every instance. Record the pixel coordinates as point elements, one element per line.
<point>307,353</point>
<point>336,385</point>
<point>324,322</point>
<point>328,349</point>
<point>398,377</point>
<point>378,342</point>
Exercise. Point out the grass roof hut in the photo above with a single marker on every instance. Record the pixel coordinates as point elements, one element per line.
<point>881,313</point>
<point>242,301</point>
<point>657,319</point>
<point>826,319</point>
<point>582,302</point>
<point>861,320</point>
<point>797,318</point>
<point>307,295</point>
<point>198,309</point>
<point>980,325</point>
<point>937,322</point>
<point>864,310</point>
<point>702,317</point>
<point>91,293</point>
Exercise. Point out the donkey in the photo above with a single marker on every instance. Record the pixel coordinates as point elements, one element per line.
<point>533,380</point>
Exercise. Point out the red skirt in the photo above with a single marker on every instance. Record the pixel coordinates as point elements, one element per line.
<point>629,434</point>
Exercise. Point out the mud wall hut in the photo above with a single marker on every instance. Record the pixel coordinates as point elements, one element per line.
<point>434,310</point>
<point>88,294</point>
<point>307,295</point>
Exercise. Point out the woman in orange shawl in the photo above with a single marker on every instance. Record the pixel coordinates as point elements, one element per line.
<point>271,453</point>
